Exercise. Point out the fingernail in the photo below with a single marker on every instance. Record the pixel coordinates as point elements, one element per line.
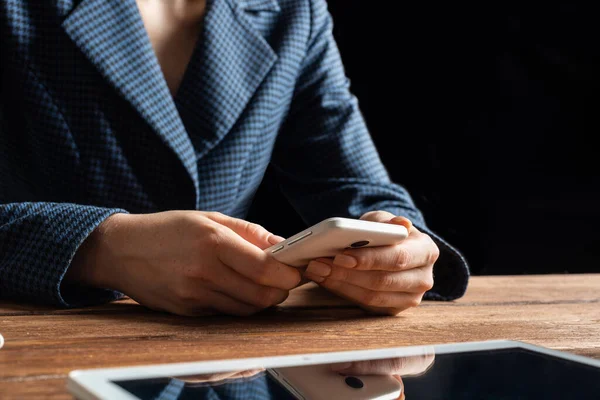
<point>402,221</point>
<point>318,269</point>
<point>274,239</point>
<point>341,366</point>
<point>314,278</point>
<point>345,261</point>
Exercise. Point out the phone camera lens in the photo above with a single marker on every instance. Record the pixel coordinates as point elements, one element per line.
<point>354,382</point>
<point>360,243</point>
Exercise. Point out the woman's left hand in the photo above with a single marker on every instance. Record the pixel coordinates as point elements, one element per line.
<point>384,280</point>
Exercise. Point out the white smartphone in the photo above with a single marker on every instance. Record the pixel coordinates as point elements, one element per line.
<point>319,382</point>
<point>332,236</point>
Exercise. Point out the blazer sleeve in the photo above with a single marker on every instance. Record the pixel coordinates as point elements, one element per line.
<point>39,239</point>
<point>37,243</point>
<point>327,164</point>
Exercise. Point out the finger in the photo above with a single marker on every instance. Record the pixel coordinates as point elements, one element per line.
<point>226,305</point>
<point>249,373</point>
<point>422,365</point>
<point>387,217</point>
<point>411,365</point>
<point>212,303</point>
<point>377,216</point>
<point>416,280</point>
<point>399,379</point>
<point>219,376</point>
<point>418,250</point>
<point>398,301</point>
<point>253,233</point>
<point>229,282</point>
<point>254,263</point>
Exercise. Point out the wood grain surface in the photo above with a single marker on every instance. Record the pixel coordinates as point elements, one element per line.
<point>43,344</point>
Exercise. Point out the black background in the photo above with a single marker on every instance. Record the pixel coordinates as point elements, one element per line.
<point>488,114</point>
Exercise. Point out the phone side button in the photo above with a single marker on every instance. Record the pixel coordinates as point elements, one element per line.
<point>275,250</point>
<point>300,238</point>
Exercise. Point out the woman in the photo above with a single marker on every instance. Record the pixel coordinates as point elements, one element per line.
<point>135,134</point>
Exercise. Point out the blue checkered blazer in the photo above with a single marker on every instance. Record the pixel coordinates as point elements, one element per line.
<point>257,387</point>
<point>89,128</point>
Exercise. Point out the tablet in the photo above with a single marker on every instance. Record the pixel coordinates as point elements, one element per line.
<point>471,370</point>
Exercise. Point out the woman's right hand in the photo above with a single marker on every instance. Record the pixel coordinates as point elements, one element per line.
<point>185,262</point>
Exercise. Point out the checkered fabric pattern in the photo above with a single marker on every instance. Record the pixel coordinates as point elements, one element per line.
<point>256,387</point>
<point>89,129</point>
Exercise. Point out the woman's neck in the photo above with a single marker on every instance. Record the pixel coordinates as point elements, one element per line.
<point>173,27</point>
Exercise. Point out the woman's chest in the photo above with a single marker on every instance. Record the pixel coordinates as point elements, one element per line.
<point>173,28</point>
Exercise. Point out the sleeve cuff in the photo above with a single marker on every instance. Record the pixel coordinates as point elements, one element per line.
<point>450,272</point>
<point>69,295</point>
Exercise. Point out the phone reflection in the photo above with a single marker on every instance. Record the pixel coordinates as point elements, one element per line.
<point>360,380</point>
<point>410,366</point>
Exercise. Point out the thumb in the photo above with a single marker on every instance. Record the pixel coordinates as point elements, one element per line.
<point>251,232</point>
<point>388,217</point>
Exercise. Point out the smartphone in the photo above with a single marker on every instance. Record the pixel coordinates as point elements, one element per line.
<point>332,236</point>
<point>319,382</point>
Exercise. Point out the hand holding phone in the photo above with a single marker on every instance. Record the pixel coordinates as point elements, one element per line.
<point>332,236</point>
<point>319,382</point>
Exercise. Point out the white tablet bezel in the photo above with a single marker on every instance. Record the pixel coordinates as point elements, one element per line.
<point>96,384</point>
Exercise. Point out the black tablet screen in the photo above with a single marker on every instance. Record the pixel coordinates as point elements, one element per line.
<point>491,374</point>
<point>504,374</point>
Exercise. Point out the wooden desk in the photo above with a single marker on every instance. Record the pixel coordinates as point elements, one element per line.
<point>43,345</point>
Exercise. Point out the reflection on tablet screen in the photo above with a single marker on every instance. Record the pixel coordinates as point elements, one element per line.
<point>257,386</point>
<point>512,373</point>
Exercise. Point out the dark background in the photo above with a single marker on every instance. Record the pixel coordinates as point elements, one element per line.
<point>488,114</point>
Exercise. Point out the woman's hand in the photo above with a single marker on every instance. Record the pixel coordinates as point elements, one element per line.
<point>403,366</point>
<point>219,376</point>
<point>384,280</point>
<point>185,262</point>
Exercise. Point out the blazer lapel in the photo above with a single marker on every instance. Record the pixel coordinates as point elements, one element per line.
<point>112,35</point>
<point>228,66</point>
<point>258,5</point>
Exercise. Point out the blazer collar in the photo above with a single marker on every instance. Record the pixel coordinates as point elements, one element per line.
<point>111,34</point>
<point>229,64</point>
<point>258,5</point>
